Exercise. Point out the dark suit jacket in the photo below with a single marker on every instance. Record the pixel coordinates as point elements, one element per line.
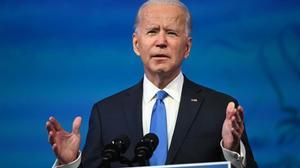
<point>197,133</point>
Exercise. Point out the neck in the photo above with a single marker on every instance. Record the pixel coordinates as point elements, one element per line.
<point>161,79</point>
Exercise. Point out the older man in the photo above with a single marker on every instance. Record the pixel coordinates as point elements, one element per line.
<point>194,123</point>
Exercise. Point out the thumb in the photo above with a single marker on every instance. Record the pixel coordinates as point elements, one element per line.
<point>229,109</point>
<point>76,125</point>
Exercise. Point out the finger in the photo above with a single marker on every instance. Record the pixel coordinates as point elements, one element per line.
<point>51,137</point>
<point>49,126</point>
<point>240,110</point>
<point>238,126</point>
<point>55,123</point>
<point>235,123</point>
<point>76,125</point>
<point>240,116</point>
<point>229,110</point>
<point>237,117</point>
<point>239,123</point>
<point>55,149</point>
<point>236,134</point>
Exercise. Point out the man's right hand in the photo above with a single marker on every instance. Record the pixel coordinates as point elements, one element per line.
<point>65,145</point>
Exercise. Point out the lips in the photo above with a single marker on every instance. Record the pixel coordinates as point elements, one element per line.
<point>162,56</point>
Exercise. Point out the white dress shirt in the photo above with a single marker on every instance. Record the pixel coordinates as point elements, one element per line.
<point>172,101</point>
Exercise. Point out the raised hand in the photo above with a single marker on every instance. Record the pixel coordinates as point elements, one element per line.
<point>65,145</point>
<point>233,127</point>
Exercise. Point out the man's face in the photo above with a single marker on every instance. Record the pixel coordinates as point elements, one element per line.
<point>161,39</point>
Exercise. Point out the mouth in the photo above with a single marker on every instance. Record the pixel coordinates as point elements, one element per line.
<point>160,56</point>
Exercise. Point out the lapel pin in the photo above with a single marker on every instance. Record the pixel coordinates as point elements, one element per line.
<point>194,100</point>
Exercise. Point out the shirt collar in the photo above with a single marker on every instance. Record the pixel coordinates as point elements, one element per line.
<point>173,89</point>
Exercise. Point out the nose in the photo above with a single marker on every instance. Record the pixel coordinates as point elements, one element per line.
<point>161,40</point>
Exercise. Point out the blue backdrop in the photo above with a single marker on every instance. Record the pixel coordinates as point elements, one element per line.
<point>59,57</point>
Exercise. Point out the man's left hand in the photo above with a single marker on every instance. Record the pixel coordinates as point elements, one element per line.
<point>233,127</point>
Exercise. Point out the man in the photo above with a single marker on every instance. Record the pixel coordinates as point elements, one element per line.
<point>202,125</point>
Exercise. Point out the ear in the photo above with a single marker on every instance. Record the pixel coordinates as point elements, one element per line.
<point>135,44</point>
<point>188,47</point>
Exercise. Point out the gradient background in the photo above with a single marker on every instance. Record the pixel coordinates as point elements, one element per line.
<point>59,57</point>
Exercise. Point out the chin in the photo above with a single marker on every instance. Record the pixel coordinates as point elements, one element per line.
<point>160,70</point>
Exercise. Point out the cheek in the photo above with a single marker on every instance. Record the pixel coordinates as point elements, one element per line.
<point>143,49</point>
<point>179,51</point>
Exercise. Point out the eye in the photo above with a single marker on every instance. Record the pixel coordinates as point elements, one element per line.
<point>152,32</point>
<point>172,33</point>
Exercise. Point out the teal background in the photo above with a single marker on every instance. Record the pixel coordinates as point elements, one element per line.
<point>59,57</point>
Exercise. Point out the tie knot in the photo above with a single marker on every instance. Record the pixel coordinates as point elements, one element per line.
<point>161,95</point>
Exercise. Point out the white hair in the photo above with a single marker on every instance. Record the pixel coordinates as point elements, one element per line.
<point>166,2</point>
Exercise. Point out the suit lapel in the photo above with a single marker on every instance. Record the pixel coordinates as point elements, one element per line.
<point>133,109</point>
<point>190,103</point>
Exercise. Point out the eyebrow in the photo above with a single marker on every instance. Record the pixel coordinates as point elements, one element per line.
<point>149,27</point>
<point>171,29</point>
<point>157,27</point>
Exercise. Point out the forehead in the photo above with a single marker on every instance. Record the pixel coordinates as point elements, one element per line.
<point>162,14</point>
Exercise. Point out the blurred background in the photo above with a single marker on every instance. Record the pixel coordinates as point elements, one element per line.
<point>60,57</point>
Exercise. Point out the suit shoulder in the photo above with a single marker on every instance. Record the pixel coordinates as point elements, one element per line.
<point>121,95</point>
<point>212,93</point>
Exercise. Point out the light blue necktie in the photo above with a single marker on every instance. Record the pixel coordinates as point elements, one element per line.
<point>159,127</point>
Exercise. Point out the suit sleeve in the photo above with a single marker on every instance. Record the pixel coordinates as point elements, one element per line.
<point>91,155</point>
<point>250,162</point>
